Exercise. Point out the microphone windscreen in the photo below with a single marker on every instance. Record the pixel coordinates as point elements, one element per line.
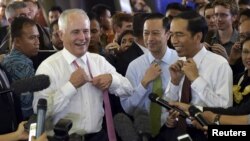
<point>153,97</point>
<point>142,122</point>
<point>32,84</point>
<point>193,110</point>
<point>124,128</point>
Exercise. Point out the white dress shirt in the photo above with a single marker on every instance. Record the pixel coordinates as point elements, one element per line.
<point>135,73</point>
<point>84,106</point>
<point>213,87</point>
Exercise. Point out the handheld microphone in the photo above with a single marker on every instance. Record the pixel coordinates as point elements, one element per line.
<point>142,125</point>
<point>155,98</point>
<point>124,128</point>
<point>32,84</point>
<point>196,113</point>
<point>41,113</point>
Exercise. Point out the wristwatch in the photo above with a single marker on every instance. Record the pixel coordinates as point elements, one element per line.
<point>217,119</point>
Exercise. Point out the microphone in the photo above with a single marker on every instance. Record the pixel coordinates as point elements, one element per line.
<point>32,84</point>
<point>155,98</point>
<point>142,125</point>
<point>196,113</point>
<point>124,128</point>
<point>41,113</point>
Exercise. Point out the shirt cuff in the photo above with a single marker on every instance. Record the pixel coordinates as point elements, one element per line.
<point>198,84</point>
<point>69,90</point>
<point>199,107</point>
<point>141,89</point>
<point>115,81</point>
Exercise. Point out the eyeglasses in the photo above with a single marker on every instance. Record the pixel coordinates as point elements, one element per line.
<point>221,15</point>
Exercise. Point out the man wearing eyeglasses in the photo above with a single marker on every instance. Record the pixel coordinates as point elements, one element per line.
<point>226,12</point>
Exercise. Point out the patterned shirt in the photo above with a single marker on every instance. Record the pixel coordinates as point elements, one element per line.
<point>19,66</point>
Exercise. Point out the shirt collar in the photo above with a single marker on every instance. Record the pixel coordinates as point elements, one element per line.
<point>166,58</point>
<point>199,56</point>
<point>233,38</point>
<point>69,57</point>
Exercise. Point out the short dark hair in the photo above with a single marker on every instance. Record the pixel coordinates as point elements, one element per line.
<point>196,23</point>
<point>56,8</point>
<point>17,26</point>
<point>229,4</point>
<point>92,16</point>
<point>165,20</point>
<point>138,22</point>
<point>175,6</point>
<point>245,12</point>
<point>99,10</point>
<point>246,2</point>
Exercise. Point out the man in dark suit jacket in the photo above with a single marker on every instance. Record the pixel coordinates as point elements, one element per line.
<point>122,60</point>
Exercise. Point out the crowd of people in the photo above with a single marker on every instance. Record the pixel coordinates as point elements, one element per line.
<point>104,61</point>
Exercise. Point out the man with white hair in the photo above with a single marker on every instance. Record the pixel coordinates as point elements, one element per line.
<point>78,79</point>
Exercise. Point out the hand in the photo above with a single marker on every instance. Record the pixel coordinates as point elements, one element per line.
<point>207,45</point>
<point>176,72</point>
<point>79,78</point>
<point>220,50</point>
<point>21,133</point>
<point>171,121</point>
<point>235,53</point>
<point>197,125</point>
<point>103,81</point>
<point>112,48</point>
<point>183,106</point>
<point>43,137</point>
<point>190,69</point>
<point>151,74</point>
<point>208,116</point>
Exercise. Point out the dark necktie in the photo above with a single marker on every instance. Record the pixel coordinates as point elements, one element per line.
<point>155,109</point>
<point>185,98</point>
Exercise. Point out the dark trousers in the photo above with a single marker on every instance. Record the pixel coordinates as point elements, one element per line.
<point>99,136</point>
<point>171,134</point>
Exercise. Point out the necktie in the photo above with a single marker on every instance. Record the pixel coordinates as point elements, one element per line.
<point>185,98</point>
<point>155,109</point>
<point>108,112</point>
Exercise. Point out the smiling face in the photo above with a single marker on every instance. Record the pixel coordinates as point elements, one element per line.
<point>76,34</point>
<point>186,44</point>
<point>224,19</point>
<point>127,41</point>
<point>155,36</point>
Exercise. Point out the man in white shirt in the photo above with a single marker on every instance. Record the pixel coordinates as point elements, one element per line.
<point>78,78</point>
<point>144,70</point>
<point>209,73</point>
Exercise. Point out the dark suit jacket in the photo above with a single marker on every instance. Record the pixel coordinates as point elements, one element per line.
<point>122,60</point>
